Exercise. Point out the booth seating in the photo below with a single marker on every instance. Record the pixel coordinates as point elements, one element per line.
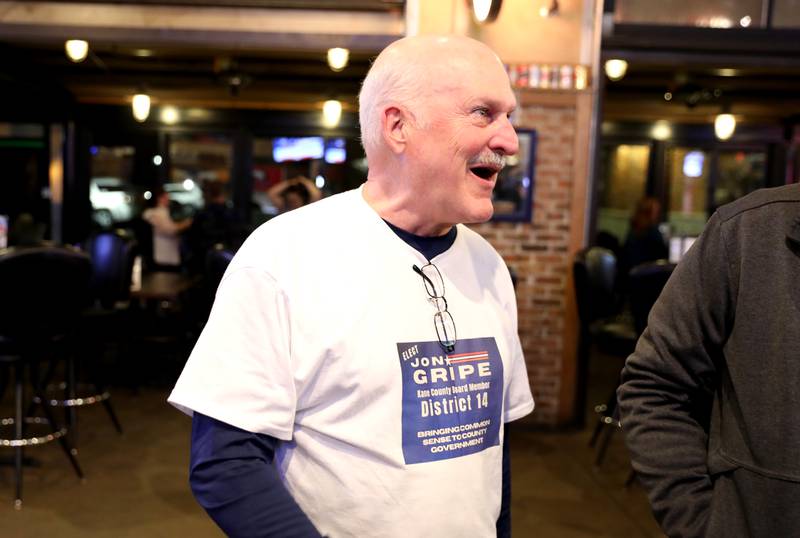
<point>43,290</point>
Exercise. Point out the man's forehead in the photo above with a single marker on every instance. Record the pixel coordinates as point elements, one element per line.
<point>490,87</point>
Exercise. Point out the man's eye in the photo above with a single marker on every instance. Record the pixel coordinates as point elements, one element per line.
<point>482,111</point>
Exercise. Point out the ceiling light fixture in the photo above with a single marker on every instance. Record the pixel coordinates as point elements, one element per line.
<point>337,58</point>
<point>485,10</point>
<point>724,126</point>
<point>331,113</point>
<point>615,69</point>
<point>170,115</point>
<point>661,130</point>
<point>549,11</point>
<point>77,49</point>
<point>141,106</point>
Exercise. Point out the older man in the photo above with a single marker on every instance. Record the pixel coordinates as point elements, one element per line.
<point>362,354</point>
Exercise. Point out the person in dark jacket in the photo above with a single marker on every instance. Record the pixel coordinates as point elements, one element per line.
<point>215,224</point>
<point>709,399</point>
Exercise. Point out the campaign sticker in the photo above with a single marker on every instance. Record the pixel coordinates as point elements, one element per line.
<point>451,401</point>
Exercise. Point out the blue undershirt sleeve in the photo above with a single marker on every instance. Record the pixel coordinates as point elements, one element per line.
<point>504,520</point>
<point>234,478</point>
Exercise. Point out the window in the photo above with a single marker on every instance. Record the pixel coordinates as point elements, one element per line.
<point>113,197</point>
<point>740,173</point>
<point>622,184</point>
<point>195,160</point>
<point>687,182</point>
<point>332,164</point>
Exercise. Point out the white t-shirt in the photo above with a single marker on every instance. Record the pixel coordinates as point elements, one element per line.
<point>322,335</point>
<point>166,236</point>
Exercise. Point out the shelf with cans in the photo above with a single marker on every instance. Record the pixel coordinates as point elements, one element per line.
<point>548,76</point>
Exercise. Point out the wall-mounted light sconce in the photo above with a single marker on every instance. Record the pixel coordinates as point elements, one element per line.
<point>615,68</point>
<point>141,106</point>
<point>331,113</point>
<point>485,10</point>
<point>550,11</point>
<point>338,58</point>
<point>77,49</point>
<point>724,126</point>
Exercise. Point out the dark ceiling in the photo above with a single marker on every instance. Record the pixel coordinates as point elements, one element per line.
<point>693,93</point>
<point>223,68</point>
<point>188,76</point>
<point>754,74</point>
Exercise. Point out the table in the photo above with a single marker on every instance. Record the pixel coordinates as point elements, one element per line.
<point>163,286</point>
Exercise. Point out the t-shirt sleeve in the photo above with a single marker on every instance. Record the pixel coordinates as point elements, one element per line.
<point>240,370</point>
<point>518,398</point>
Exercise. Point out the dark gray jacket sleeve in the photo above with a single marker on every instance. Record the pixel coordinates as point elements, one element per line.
<point>668,384</point>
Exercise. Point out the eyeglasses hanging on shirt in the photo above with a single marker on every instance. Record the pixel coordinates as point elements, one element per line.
<point>442,319</point>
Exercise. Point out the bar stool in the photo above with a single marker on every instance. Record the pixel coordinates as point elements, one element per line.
<point>43,291</point>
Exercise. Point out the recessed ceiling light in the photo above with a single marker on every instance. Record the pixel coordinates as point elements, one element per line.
<point>77,49</point>
<point>616,68</point>
<point>724,126</point>
<point>337,58</point>
<point>141,106</point>
<point>170,115</point>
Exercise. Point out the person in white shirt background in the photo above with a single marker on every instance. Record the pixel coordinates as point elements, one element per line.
<point>166,232</point>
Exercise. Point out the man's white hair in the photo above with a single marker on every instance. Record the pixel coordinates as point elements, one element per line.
<point>391,81</point>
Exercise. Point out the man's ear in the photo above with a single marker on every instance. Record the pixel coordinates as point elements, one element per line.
<point>394,128</point>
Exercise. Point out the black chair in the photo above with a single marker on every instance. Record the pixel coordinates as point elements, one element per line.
<point>594,271</point>
<point>645,283</point>
<point>217,260</point>
<point>113,254</point>
<point>43,290</point>
<point>106,323</point>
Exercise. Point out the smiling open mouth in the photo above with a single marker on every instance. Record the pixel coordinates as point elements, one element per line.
<point>484,172</point>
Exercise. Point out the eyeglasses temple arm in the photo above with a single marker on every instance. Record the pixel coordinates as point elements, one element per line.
<point>423,275</point>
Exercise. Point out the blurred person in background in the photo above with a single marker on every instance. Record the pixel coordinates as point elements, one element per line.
<point>644,242</point>
<point>331,392</point>
<point>166,233</point>
<point>293,193</point>
<point>214,224</point>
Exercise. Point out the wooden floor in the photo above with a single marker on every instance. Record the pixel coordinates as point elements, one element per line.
<point>136,484</point>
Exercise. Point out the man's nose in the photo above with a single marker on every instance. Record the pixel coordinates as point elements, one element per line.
<point>505,139</point>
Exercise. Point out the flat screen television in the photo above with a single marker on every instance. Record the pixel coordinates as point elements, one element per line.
<point>297,149</point>
<point>334,151</point>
